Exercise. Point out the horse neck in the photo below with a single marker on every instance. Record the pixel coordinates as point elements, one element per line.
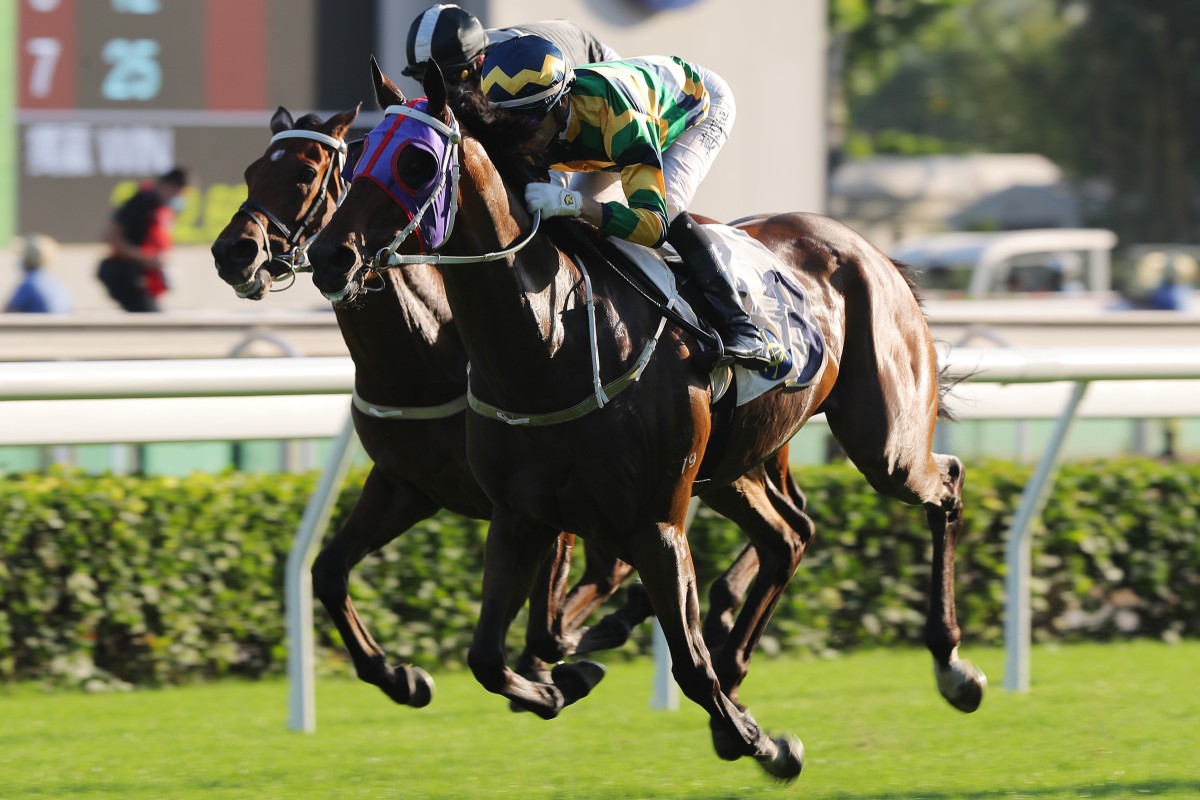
<point>403,342</point>
<point>509,312</point>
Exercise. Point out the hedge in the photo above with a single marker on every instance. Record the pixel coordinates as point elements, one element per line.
<point>111,580</point>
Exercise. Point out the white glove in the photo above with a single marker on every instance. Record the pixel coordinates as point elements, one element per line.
<point>552,200</point>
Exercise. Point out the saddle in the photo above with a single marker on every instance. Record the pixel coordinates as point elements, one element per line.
<point>576,240</point>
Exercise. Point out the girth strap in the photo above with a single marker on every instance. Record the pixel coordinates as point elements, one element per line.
<point>576,411</point>
<point>409,412</point>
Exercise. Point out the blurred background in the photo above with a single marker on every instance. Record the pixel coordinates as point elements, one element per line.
<point>1036,160</point>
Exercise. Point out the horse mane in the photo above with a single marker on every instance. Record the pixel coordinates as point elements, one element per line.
<point>503,134</point>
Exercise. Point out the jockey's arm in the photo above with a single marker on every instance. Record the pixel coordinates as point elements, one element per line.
<point>593,211</point>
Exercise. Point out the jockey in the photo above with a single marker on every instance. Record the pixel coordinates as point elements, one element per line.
<point>456,40</point>
<point>659,121</point>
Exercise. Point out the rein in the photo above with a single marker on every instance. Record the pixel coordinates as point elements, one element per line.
<point>294,258</point>
<point>387,257</point>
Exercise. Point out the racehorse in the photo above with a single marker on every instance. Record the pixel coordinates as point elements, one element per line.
<point>410,367</point>
<point>409,397</point>
<point>533,319</point>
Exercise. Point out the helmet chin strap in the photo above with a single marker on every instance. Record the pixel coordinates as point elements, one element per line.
<point>562,112</point>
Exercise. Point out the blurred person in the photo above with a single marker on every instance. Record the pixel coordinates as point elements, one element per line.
<point>658,122</point>
<point>139,235</point>
<point>1172,293</point>
<point>38,292</point>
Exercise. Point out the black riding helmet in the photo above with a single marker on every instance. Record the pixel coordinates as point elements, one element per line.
<point>448,35</point>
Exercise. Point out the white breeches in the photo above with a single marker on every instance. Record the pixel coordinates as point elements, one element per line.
<point>688,159</point>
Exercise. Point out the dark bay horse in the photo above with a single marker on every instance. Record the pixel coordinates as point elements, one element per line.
<point>622,474</point>
<point>410,368</point>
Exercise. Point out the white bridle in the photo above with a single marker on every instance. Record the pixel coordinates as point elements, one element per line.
<point>295,258</point>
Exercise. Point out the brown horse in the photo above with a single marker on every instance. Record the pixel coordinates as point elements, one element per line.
<point>622,474</point>
<point>410,367</point>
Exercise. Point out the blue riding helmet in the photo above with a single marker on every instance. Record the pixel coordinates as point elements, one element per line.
<point>525,73</point>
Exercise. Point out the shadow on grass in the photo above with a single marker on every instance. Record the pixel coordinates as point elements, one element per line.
<point>1122,790</point>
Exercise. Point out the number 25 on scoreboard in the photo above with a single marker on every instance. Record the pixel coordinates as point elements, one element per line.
<point>135,73</point>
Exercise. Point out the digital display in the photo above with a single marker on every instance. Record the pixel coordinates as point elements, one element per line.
<point>114,92</point>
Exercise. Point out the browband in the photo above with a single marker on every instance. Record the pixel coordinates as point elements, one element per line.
<point>433,122</point>
<point>336,144</point>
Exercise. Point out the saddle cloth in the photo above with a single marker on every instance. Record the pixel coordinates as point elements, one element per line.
<point>771,296</point>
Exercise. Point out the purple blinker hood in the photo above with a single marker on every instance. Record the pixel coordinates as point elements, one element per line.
<point>431,205</point>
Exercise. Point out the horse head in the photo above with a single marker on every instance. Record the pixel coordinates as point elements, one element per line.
<point>291,191</point>
<point>403,193</point>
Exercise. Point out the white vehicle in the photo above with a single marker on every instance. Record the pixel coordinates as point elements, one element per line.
<point>1063,262</point>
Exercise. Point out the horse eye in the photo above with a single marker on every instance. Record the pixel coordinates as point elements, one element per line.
<point>308,175</point>
<point>416,168</point>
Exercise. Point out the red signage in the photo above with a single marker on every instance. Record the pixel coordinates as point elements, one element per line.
<point>235,70</point>
<point>47,54</point>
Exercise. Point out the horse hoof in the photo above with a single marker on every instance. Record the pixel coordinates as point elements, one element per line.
<point>962,684</point>
<point>409,686</point>
<point>788,760</point>
<point>420,687</point>
<point>577,679</point>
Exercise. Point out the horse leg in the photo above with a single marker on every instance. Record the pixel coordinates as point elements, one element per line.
<point>603,575</point>
<point>728,592</point>
<point>897,462</point>
<point>668,574</point>
<point>959,681</point>
<point>726,596</point>
<point>385,510</point>
<point>545,639</point>
<point>548,638</point>
<point>779,534</point>
<point>513,557</point>
<point>555,630</point>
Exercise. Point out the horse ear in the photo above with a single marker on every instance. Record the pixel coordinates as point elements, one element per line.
<point>435,90</point>
<point>386,92</point>
<point>281,120</point>
<point>338,124</point>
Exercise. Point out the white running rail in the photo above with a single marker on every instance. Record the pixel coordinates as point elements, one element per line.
<point>1063,390</point>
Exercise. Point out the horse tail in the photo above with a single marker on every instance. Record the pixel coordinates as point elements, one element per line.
<point>946,383</point>
<point>909,273</point>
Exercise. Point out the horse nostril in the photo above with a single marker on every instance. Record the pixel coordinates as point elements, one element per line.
<point>332,265</point>
<point>235,256</point>
<point>243,252</point>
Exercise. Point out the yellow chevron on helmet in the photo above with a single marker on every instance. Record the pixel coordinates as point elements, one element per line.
<point>525,72</point>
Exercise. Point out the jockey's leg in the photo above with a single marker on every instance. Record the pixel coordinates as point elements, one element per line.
<point>740,337</point>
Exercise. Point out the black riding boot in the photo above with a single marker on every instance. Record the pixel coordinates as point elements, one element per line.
<point>741,338</point>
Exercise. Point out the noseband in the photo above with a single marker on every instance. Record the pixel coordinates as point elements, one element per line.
<point>294,259</point>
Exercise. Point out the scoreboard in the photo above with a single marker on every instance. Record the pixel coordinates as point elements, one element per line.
<point>113,92</point>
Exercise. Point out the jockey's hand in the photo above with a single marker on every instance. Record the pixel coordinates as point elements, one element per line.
<point>552,200</point>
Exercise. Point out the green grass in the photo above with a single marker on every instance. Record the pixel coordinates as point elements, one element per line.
<point>1111,721</point>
